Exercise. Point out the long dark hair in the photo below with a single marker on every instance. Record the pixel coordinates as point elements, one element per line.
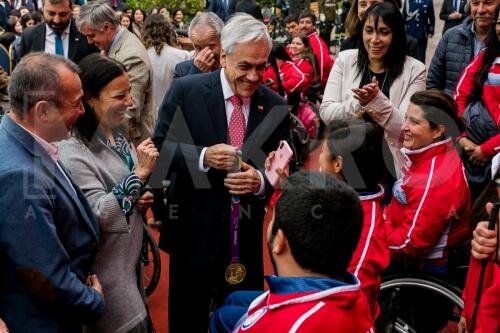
<point>396,55</point>
<point>491,51</point>
<point>278,51</point>
<point>96,72</point>
<point>360,145</point>
<point>308,55</point>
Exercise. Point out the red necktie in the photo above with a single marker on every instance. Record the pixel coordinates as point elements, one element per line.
<point>237,125</point>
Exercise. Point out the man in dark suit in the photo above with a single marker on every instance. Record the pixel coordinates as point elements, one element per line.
<point>223,8</point>
<point>199,133</point>
<point>204,32</point>
<point>58,35</point>
<point>452,13</point>
<point>48,235</point>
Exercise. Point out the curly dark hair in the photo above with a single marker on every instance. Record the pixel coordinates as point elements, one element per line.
<point>157,32</point>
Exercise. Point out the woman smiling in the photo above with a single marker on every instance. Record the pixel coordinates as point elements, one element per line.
<point>430,206</point>
<point>112,175</point>
<point>376,81</point>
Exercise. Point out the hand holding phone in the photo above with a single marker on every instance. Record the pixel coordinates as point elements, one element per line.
<point>281,158</point>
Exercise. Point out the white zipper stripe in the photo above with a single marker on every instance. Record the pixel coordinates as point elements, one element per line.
<point>368,239</point>
<point>427,186</point>
<point>306,315</point>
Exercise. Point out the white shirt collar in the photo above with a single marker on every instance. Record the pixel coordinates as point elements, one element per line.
<point>50,148</point>
<point>64,33</point>
<point>227,91</point>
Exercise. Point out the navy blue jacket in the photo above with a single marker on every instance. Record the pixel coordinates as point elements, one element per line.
<point>185,68</point>
<point>33,40</point>
<point>447,9</point>
<point>192,117</point>
<point>222,10</point>
<point>453,53</point>
<point>419,18</point>
<point>48,240</point>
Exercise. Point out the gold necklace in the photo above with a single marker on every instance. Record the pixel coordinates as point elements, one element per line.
<point>383,82</point>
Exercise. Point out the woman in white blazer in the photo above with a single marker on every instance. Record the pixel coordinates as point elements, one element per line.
<point>376,81</point>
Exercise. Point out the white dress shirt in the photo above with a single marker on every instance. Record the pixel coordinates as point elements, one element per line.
<point>50,40</point>
<point>228,92</point>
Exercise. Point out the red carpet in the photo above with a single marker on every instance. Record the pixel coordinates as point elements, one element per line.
<point>158,300</point>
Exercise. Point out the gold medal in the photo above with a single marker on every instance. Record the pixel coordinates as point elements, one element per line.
<point>235,273</point>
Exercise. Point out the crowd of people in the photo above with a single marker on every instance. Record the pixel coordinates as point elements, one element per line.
<point>106,108</point>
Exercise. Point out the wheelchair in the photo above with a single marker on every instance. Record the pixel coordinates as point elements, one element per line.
<point>413,301</point>
<point>418,304</point>
<point>150,261</point>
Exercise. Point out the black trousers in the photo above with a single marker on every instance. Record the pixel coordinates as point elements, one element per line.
<point>195,292</point>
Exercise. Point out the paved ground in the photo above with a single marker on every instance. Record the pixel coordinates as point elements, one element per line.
<point>433,42</point>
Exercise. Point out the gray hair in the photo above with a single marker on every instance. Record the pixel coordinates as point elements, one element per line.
<point>243,28</point>
<point>208,19</point>
<point>95,13</point>
<point>36,78</point>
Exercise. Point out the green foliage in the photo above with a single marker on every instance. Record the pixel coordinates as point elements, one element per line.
<point>189,7</point>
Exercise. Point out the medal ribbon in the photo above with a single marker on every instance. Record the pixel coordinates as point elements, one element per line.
<point>235,225</point>
<point>235,221</point>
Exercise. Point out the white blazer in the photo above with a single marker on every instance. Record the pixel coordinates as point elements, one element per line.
<point>339,102</point>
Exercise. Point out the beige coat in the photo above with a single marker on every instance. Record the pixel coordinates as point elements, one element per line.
<point>339,103</point>
<point>129,50</point>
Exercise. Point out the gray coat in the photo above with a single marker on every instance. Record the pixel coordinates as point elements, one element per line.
<point>454,52</point>
<point>96,170</point>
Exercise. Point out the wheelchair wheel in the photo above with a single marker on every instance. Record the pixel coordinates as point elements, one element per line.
<point>151,262</point>
<point>418,304</point>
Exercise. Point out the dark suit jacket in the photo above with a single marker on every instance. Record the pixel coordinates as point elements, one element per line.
<point>220,8</point>
<point>33,40</point>
<point>447,9</point>
<point>196,224</point>
<point>185,68</point>
<point>250,7</point>
<point>48,240</point>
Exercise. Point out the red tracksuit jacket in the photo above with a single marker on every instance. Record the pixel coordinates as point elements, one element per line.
<point>490,97</point>
<point>291,76</point>
<point>371,256</point>
<point>322,54</point>
<point>336,310</point>
<point>308,71</point>
<point>488,316</point>
<point>430,208</point>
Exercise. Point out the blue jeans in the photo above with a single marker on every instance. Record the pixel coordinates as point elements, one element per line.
<point>225,318</point>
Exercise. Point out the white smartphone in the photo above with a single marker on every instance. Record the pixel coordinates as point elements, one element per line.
<point>281,159</point>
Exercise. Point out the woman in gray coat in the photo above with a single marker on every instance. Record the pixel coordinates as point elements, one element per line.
<point>112,174</point>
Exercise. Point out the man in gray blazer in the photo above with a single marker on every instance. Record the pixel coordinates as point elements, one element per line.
<point>99,23</point>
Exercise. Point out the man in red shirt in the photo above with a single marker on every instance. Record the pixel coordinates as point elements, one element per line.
<point>307,25</point>
<point>315,229</point>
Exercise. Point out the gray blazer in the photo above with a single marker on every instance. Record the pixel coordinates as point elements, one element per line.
<point>129,50</point>
<point>97,170</point>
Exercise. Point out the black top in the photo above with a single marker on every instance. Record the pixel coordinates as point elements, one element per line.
<point>381,78</point>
